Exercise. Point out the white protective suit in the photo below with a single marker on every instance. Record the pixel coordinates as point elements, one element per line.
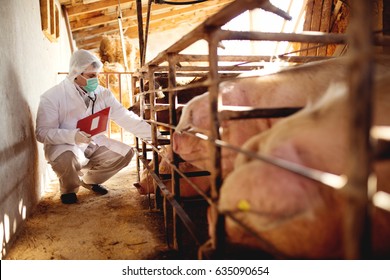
<point>62,106</point>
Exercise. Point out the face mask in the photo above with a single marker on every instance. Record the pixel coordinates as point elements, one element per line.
<point>92,84</point>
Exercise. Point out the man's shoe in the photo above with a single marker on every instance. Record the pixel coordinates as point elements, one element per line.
<point>99,189</point>
<point>69,198</point>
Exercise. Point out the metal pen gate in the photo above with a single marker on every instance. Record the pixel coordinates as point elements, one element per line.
<point>359,38</point>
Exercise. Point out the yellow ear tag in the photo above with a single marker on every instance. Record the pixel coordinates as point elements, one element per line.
<point>243,205</point>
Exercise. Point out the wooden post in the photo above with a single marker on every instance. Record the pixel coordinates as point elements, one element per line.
<point>173,121</point>
<point>152,111</point>
<point>357,237</point>
<point>215,102</point>
<point>307,24</point>
<point>315,24</point>
<point>386,23</point>
<point>325,22</point>
<point>69,31</point>
<point>377,24</point>
<point>140,32</point>
<point>136,141</point>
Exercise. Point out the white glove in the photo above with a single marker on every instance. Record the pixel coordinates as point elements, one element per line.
<point>82,137</point>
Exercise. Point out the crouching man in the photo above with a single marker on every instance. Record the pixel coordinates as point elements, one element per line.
<point>77,158</point>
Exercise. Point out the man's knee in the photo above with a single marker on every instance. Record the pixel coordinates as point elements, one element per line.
<point>127,158</point>
<point>130,155</point>
<point>67,157</point>
<point>66,160</point>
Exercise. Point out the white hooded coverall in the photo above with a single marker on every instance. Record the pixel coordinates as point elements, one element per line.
<point>59,110</point>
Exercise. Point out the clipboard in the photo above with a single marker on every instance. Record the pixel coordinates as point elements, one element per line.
<point>95,123</point>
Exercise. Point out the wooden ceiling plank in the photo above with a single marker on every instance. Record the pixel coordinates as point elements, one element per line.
<point>69,2</point>
<point>131,22</point>
<point>95,21</point>
<point>172,23</point>
<point>187,10</point>
<point>90,41</point>
<point>77,24</point>
<point>102,30</point>
<point>88,32</point>
<point>132,25</point>
<point>93,7</point>
<point>155,27</point>
<point>81,34</point>
<point>95,41</point>
<point>165,8</point>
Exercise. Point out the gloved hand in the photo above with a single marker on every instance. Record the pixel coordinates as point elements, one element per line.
<point>82,137</point>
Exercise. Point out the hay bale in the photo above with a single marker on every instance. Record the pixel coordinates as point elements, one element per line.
<point>111,51</point>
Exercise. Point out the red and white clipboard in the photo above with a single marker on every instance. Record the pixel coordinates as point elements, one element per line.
<point>95,123</point>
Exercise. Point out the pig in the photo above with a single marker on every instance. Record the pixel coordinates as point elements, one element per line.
<point>146,184</point>
<point>162,113</point>
<point>292,215</point>
<point>292,87</point>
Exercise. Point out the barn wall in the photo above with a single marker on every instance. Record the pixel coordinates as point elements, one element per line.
<point>29,65</point>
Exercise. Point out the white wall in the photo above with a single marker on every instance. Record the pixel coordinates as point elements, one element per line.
<point>29,63</point>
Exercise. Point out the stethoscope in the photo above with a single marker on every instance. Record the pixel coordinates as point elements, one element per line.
<point>93,100</point>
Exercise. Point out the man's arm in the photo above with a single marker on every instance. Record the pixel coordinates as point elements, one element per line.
<point>47,126</point>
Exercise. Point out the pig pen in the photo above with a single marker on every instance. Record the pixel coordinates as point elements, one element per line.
<point>185,219</point>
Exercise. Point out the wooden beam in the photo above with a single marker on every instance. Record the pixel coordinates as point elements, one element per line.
<point>95,21</point>
<point>165,11</point>
<point>307,24</point>
<point>101,30</point>
<point>162,24</point>
<point>185,11</point>
<point>68,2</point>
<point>131,26</point>
<point>153,28</point>
<point>92,41</point>
<point>68,31</point>
<point>132,31</point>
<point>91,32</point>
<point>315,24</point>
<point>45,19</point>
<point>325,22</point>
<point>92,49</point>
<point>219,19</point>
<point>93,7</point>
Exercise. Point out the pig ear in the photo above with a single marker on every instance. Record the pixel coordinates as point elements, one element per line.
<point>186,120</point>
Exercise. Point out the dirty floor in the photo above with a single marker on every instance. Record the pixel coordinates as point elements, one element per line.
<point>116,226</point>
